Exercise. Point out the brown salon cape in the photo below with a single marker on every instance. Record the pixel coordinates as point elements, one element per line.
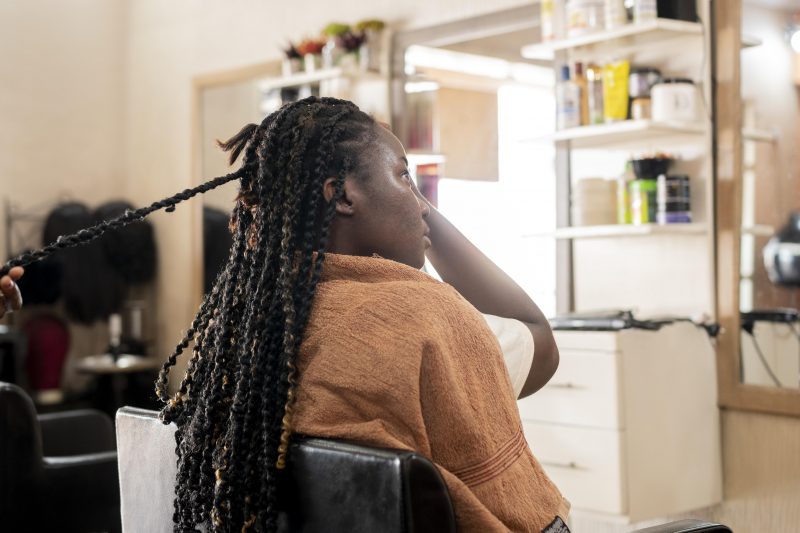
<point>396,359</point>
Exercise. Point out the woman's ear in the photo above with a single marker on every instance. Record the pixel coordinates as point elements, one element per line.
<point>345,205</point>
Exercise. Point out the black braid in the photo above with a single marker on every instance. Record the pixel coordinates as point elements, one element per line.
<point>233,408</point>
<point>87,235</point>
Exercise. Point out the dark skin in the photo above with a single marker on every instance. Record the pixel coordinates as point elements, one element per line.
<point>387,215</point>
<point>10,297</point>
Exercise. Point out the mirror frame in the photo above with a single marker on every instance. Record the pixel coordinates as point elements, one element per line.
<point>726,60</point>
<point>199,84</point>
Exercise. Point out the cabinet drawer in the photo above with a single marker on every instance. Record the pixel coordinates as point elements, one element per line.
<point>586,465</point>
<point>606,341</point>
<point>584,392</point>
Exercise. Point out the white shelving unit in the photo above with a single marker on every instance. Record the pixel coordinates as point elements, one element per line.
<point>624,230</point>
<point>758,230</point>
<point>636,132</point>
<point>654,269</point>
<point>758,135</point>
<point>629,133</point>
<point>631,36</point>
<point>316,77</point>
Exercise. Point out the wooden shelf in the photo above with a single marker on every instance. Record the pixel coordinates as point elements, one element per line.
<point>623,230</point>
<point>628,36</point>
<point>627,133</point>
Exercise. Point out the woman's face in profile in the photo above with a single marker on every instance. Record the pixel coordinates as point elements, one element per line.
<point>392,218</point>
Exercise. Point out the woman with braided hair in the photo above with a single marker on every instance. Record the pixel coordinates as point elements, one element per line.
<point>322,324</point>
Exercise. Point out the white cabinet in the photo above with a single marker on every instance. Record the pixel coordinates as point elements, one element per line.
<point>629,427</point>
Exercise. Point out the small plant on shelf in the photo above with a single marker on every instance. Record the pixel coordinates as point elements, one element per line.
<point>338,43</point>
<point>370,48</point>
<point>311,50</point>
<point>370,25</point>
<point>292,60</point>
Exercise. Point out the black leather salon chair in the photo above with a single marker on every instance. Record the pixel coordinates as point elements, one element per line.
<point>58,472</point>
<point>331,486</point>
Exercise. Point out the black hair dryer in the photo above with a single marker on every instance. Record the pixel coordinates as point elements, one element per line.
<point>782,254</point>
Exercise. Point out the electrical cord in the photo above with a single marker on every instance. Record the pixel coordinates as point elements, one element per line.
<point>761,356</point>
<point>796,334</point>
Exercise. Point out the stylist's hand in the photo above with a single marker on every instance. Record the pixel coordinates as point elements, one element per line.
<point>10,297</point>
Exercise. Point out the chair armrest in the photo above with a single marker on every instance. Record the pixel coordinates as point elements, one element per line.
<point>686,526</point>
<point>92,477</point>
<point>76,432</point>
<point>83,491</point>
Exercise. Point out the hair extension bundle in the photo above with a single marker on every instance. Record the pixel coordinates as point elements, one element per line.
<point>91,288</point>
<point>131,249</point>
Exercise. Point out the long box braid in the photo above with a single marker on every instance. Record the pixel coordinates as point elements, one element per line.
<point>233,408</point>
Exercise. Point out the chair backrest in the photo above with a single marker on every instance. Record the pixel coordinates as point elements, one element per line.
<point>330,485</point>
<point>20,448</point>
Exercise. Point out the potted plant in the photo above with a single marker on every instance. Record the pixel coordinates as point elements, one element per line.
<point>311,50</point>
<point>292,61</point>
<point>333,50</point>
<point>350,43</point>
<point>369,53</point>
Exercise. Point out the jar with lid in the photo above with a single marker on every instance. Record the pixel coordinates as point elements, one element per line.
<point>641,108</point>
<point>673,198</point>
<point>641,81</point>
<point>675,99</point>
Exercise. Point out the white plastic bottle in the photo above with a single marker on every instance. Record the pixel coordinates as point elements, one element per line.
<point>615,14</point>
<point>644,11</point>
<point>546,17</point>
<point>568,101</point>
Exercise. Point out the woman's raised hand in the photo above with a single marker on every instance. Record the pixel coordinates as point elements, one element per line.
<point>10,297</point>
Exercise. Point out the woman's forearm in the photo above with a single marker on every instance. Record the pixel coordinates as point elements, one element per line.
<point>462,265</point>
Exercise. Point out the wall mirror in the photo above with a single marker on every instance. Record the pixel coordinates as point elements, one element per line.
<point>224,108</point>
<point>473,114</point>
<point>758,224</point>
<point>770,346</point>
<point>225,101</point>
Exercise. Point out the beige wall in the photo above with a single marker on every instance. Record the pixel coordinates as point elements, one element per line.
<point>62,100</point>
<point>62,96</point>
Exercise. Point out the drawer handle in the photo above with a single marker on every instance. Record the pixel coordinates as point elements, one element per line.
<point>567,385</point>
<point>572,465</point>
